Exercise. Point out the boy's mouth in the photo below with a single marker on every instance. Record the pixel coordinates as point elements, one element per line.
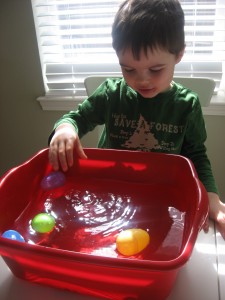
<point>146,91</point>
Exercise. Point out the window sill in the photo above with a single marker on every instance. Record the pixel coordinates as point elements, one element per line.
<point>216,107</point>
<point>62,103</point>
<point>67,103</point>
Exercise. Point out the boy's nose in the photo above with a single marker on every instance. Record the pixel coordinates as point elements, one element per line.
<point>143,77</point>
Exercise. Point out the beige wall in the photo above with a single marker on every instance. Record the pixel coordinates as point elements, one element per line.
<point>215,126</point>
<point>24,126</point>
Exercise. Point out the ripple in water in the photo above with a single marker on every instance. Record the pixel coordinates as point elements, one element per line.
<point>103,213</point>
<point>88,220</point>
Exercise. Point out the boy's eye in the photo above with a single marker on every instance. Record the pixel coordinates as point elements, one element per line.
<point>155,70</point>
<point>128,70</point>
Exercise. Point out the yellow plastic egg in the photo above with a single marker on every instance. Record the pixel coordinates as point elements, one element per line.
<point>132,241</point>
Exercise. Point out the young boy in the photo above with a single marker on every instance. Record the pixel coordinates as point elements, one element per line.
<point>145,110</point>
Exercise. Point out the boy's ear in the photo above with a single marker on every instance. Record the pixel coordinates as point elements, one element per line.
<point>179,56</point>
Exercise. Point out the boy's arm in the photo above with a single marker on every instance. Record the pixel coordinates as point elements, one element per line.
<point>89,114</point>
<point>196,151</point>
<point>217,212</point>
<point>63,144</point>
<point>64,141</point>
<point>194,148</point>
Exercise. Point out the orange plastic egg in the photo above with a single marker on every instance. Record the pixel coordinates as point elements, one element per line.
<point>132,241</point>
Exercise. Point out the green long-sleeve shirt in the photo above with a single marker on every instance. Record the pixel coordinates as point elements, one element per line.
<point>172,122</point>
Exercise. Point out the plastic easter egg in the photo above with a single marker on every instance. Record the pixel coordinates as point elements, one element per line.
<point>132,241</point>
<point>13,235</point>
<point>43,223</point>
<point>53,180</point>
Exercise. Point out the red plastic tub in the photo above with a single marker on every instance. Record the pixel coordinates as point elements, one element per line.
<point>103,195</point>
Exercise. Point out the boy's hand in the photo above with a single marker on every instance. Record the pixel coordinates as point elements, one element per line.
<point>64,143</point>
<point>217,212</point>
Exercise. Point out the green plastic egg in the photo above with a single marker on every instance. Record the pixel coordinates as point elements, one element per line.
<point>43,223</point>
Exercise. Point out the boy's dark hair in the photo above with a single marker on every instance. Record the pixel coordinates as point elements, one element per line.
<point>143,24</point>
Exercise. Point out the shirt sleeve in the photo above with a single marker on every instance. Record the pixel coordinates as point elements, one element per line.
<point>89,114</point>
<point>194,147</point>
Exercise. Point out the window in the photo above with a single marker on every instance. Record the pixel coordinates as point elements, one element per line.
<point>74,39</point>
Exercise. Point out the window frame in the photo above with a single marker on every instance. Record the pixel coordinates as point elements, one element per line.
<point>63,102</point>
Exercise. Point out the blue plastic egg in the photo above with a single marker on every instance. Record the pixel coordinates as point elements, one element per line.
<point>13,235</point>
<point>53,180</point>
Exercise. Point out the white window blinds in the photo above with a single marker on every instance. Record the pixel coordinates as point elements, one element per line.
<point>74,40</point>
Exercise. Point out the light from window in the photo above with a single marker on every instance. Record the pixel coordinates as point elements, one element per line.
<point>74,40</point>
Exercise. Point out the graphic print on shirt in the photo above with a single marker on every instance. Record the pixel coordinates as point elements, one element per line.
<point>142,139</point>
<point>139,134</point>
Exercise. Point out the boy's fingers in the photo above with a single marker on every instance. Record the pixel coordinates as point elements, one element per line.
<point>206,225</point>
<point>62,156</point>
<point>53,158</point>
<point>80,150</point>
<point>69,153</point>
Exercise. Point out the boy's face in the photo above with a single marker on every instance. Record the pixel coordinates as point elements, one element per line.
<point>151,74</point>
